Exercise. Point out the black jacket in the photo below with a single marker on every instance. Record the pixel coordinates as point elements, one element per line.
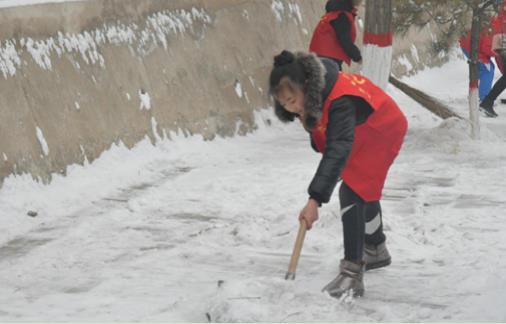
<point>345,113</point>
<point>342,27</point>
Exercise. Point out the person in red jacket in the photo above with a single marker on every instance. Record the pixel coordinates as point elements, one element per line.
<point>485,54</point>
<point>359,130</point>
<point>334,36</point>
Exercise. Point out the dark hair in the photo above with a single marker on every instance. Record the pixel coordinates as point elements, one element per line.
<point>335,5</point>
<point>285,65</point>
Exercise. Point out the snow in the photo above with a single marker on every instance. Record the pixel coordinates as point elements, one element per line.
<point>294,10</point>
<point>238,89</point>
<point>160,27</point>
<point>42,141</point>
<point>403,60</point>
<point>154,127</point>
<point>145,100</point>
<point>414,53</point>
<point>289,8</point>
<point>278,9</point>
<point>191,230</point>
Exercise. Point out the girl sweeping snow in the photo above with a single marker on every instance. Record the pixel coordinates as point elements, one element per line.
<point>359,130</point>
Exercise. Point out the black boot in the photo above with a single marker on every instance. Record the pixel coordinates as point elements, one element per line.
<point>487,108</point>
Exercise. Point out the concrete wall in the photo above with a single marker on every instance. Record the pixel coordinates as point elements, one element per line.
<point>76,77</point>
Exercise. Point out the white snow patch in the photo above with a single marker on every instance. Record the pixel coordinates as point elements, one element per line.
<point>42,141</point>
<point>292,10</point>
<point>238,89</point>
<point>83,153</point>
<point>414,53</point>
<point>403,60</point>
<point>278,9</point>
<point>9,58</point>
<point>145,100</point>
<point>154,128</point>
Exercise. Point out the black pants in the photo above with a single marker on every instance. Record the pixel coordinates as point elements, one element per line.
<point>497,88</point>
<point>362,222</point>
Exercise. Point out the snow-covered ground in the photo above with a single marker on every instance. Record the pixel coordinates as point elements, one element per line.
<point>191,231</point>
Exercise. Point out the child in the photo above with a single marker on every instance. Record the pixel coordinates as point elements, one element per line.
<point>359,130</point>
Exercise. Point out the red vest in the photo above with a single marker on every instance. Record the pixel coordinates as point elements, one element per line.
<point>377,141</point>
<point>325,42</point>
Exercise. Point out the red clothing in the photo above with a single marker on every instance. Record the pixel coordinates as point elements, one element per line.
<point>485,52</point>
<point>324,41</point>
<point>498,22</point>
<point>377,141</point>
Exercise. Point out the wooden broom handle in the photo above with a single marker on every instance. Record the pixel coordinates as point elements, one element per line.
<point>296,250</point>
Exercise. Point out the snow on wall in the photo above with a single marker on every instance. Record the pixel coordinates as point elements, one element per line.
<point>145,100</point>
<point>291,9</point>
<point>158,30</point>
<point>238,89</point>
<point>42,141</point>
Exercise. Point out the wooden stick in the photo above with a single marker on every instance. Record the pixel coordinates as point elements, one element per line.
<point>296,251</point>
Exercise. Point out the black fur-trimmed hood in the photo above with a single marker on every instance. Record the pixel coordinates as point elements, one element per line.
<point>315,83</point>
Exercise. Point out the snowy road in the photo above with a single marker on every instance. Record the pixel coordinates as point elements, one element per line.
<point>190,231</point>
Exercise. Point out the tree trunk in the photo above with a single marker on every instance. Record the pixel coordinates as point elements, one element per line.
<point>474,75</point>
<point>377,49</point>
